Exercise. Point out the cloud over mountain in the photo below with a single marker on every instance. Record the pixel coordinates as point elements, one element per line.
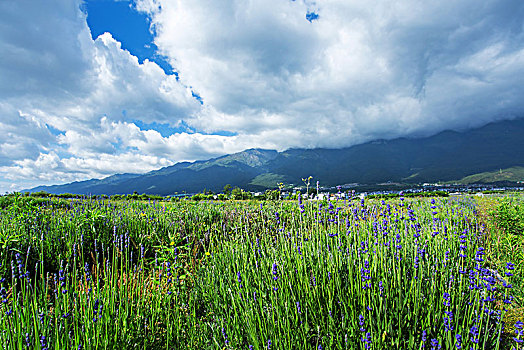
<point>359,71</point>
<point>269,73</point>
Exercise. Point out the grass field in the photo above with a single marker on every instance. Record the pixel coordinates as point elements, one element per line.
<point>408,273</point>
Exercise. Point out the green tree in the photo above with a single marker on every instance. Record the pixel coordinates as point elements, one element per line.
<point>236,193</point>
<point>272,194</point>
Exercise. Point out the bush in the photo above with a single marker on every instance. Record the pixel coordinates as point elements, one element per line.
<point>202,197</point>
<point>509,217</point>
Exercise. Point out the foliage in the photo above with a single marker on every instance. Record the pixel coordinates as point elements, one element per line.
<point>202,197</point>
<point>512,174</point>
<point>414,194</point>
<point>98,273</point>
<point>239,194</point>
<point>509,217</point>
<point>503,219</point>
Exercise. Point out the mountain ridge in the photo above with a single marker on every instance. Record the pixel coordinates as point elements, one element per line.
<point>446,156</point>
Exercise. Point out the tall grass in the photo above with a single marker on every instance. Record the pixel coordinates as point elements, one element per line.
<point>405,274</point>
<point>504,220</point>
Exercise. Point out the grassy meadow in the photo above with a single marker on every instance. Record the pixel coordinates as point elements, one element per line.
<point>404,273</point>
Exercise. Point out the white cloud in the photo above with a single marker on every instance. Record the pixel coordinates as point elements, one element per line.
<point>275,80</point>
<point>57,84</point>
<point>361,71</point>
<point>115,147</point>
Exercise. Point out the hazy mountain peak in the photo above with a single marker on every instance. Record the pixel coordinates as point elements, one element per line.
<point>447,156</point>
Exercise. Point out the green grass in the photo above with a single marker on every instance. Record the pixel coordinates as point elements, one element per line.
<point>275,274</point>
<point>268,180</point>
<point>512,174</point>
<point>504,223</point>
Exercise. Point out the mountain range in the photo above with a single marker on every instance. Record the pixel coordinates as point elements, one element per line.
<point>444,157</point>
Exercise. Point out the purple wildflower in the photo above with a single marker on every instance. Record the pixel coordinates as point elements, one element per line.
<point>458,344</point>
<point>446,298</point>
<point>518,332</point>
<point>474,331</point>
<point>225,336</point>
<point>275,271</point>
<point>447,321</point>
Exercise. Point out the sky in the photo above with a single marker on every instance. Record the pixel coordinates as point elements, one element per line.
<point>98,87</point>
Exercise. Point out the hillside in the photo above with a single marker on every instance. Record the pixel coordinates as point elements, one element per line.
<point>514,174</point>
<point>470,156</point>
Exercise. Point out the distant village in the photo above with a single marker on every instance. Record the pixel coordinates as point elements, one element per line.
<point>314,193</point>
<point>353,190</point>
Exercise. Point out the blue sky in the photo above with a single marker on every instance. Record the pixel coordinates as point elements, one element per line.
<point>133,29</point>
<point>93,88</point>
<point>127,25</point>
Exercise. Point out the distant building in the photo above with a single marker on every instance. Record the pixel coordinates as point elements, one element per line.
<point>322,196</point>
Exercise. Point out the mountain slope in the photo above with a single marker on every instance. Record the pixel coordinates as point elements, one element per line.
<point>447,156</point>
<point>513,174</point>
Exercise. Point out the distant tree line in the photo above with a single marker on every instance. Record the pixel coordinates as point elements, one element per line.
<point>229,193</point>
<point>410,194</point>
